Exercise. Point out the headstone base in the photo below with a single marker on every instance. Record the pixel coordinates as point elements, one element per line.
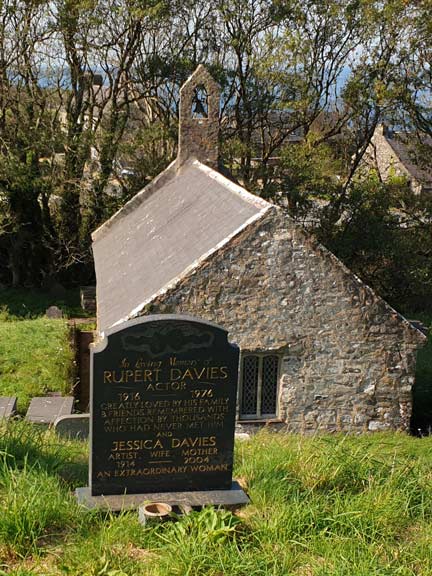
<point>234,497</point>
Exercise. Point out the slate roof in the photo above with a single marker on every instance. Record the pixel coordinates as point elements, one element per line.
<point>165,231</point>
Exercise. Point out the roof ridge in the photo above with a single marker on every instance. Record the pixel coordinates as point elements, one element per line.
<point>239,190</point>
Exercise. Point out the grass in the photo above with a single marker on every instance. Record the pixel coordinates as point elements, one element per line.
<point>35,352</point>
<point>35,358</point>
<point>321,506</point>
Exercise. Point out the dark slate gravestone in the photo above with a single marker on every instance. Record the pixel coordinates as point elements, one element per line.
<point>8,406</point>
<point>163,403</point>
<point>45,410</point>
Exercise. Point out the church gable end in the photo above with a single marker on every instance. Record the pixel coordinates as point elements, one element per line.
<point>343,358</point>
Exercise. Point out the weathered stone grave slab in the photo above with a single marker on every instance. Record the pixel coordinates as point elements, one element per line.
<point>234,497</point>
<point>45,410</point>
<point>73,426</point>
<point>163,403</point>
<point>8,406</point>
<point>53,312</point>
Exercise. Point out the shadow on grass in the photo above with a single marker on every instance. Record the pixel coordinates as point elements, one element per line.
<point>25,303</point>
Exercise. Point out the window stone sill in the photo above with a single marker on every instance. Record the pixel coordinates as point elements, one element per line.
<point>260,421</point>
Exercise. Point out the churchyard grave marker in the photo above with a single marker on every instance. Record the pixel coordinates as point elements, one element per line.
<point>73,426</point>
<point>46,410</point>
<point>8,406</point>
<point>163,404</point>
<point>54,313</point>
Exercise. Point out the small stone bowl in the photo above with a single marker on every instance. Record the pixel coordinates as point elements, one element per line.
<point>154,512</point>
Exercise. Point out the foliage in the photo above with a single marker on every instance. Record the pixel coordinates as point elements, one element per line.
<point>307,175</point>
<point>320,505</point>
<point>207,526</point>
<point>25,446</point>
<point>89,105</point>
<point>18,303</point>
<point>384,234</point>
<point>33,504</point>
<point>421,422</point>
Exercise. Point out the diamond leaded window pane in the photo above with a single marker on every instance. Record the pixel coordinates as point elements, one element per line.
<point>269,384</point>
<point>250,385</point>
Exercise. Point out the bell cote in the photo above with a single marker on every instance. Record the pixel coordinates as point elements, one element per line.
<point>199,119</point>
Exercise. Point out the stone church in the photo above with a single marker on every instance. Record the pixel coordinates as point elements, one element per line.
<point>319,349</point>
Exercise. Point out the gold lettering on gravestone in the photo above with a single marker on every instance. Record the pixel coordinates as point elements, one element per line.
<point>166,417</point>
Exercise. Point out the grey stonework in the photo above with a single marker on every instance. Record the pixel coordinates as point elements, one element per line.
<point>199,137</point>
<point>390,155</point>
<point>348,358</point>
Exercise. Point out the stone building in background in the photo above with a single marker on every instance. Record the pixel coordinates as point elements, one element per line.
<point>319,349</point>
<point>400,154</point>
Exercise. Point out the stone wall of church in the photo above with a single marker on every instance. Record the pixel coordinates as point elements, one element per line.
<point>348,359</point>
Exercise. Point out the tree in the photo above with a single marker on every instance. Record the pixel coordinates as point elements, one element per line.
<point>89,94</point>
<point>27,138</point>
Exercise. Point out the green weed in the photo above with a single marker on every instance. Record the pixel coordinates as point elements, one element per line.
<point>22,443</point>
<point>33,505</point>
<point>206,526</point>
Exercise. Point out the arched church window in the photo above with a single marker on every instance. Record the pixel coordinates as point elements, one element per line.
<point>200,102</point>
